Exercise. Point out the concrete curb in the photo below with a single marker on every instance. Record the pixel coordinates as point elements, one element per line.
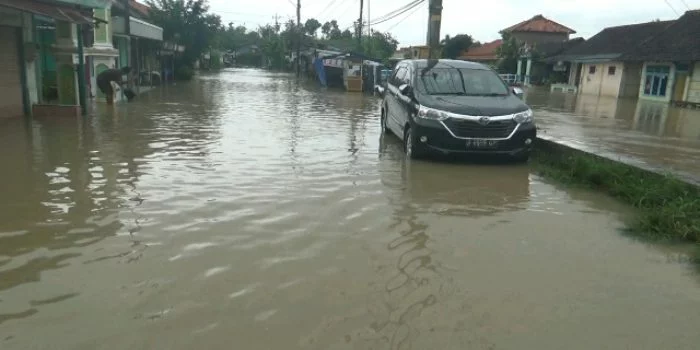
<point>552,145</point>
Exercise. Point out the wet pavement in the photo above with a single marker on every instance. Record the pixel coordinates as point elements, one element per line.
<point>245,211</point>
<point>651,135</point>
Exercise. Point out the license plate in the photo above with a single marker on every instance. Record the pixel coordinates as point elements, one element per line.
<point>482,144</point>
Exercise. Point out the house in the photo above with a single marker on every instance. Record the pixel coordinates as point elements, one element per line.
<point>411,52</point>
<point>599,66</point>
<point>40,62</point>
<point>669,63</point>
<point>545,68</point>
<point>531,33</point>
<point>139,44</point>
<point>534,32</point>
<point>484,53</point>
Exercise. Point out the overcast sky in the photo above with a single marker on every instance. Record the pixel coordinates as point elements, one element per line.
<point>482,19</point>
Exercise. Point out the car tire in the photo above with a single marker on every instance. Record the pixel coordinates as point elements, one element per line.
<point>385,129</point>
<point>412,149</point>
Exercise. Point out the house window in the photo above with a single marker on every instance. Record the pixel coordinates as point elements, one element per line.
<point>611,70</point>
<point>656,80</point>
<point>591,70</point>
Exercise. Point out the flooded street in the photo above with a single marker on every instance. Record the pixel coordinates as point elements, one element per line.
<point>647,134</point>
<point>245,211</point>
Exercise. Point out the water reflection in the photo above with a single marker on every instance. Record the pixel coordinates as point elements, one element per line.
<point>654,135</point>
<point>246,207</point>
<point>454,187</point>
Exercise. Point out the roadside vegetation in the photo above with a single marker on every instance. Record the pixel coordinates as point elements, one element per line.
<point>192,24</point>
<point>669,209</point>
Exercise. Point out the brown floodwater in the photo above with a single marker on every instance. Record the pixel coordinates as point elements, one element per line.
<point>653,135</point>
<point>246,211</point>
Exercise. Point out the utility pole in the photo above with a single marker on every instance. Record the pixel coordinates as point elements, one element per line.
<point>359,27</point>
<point>301,35</point>
<point>369,29</point>
<point>127,31</point>
<point>434,20</point>
<point>277,22</point>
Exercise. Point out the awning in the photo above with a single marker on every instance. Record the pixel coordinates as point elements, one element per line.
<point>57,12</point>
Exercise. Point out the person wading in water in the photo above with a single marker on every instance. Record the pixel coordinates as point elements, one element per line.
<point>105,79</point>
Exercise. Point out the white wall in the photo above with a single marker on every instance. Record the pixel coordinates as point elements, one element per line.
<point>31,66</point>
<point>693,90</point>
<point>601,82</point>
<point>631,79</point>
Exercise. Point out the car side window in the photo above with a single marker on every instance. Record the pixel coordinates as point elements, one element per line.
<point>399,76</point>
<point>406,77</point>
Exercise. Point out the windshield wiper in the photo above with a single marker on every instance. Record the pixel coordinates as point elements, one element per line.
<point>449,93</point>
<point>491,94</point>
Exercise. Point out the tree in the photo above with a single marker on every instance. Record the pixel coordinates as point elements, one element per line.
<point>346,34</point>
<point>311,26</point>
<point>508,54</point>
<point>326,29</point>
<point>380,45</point>
<point>331,30</point>
<point>188,23</point>
<point>452,47</point>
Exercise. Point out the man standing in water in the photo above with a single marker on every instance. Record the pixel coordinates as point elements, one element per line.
<point>105,79</point>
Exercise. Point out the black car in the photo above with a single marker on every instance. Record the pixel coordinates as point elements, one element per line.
<point>456,107</point>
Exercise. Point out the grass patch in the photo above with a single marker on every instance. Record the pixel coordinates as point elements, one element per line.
<point>668,209</point>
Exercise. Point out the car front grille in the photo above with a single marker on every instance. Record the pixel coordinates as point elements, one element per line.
<point>496,129</point>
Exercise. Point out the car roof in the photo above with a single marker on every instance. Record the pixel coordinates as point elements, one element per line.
<point>444,63</point>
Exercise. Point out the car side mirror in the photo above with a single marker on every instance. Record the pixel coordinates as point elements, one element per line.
<point>518,91</point>
<point>406,90</point>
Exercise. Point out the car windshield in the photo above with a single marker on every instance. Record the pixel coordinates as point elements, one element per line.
<point>460,81</point>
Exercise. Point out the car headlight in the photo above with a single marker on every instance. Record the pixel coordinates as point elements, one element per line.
<point>524,117</point>
<point>432,114</point>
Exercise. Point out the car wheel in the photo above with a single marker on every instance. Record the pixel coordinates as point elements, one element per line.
<point>412,149</point>
<point>383,122</point>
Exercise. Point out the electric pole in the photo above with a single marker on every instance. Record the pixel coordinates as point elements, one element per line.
<point>277,22</point>
<point>369,30</point>
<point>359,28</point>
<point>434,19</point>
<point>301,35</point>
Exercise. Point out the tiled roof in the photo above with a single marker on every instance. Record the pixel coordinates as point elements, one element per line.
<point>556,47</point>
<point>680,41</point>
<point>143,9</point>
<point>485,52</point>
<point>540,24</point>
<point>618,40</point>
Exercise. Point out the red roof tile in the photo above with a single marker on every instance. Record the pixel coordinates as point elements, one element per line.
<point>539,24</point>
<point>143,9</point>
<point>485,52</point>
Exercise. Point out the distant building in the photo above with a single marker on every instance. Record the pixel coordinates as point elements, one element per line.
<point>485,53</point>
<point>599,67</point>
<point>670,62</point>
<point>533,33</point>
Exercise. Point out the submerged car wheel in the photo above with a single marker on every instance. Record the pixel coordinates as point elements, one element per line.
<point>412,149</point>
<point>383,122</point>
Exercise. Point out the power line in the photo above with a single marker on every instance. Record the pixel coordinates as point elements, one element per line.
<point>669,5</point>
<point>326,8</point>
<point>403,19</point>
<point>396,12</point>
<point>685,4</point>
<point>343,9</point>
<point>400,12</point>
